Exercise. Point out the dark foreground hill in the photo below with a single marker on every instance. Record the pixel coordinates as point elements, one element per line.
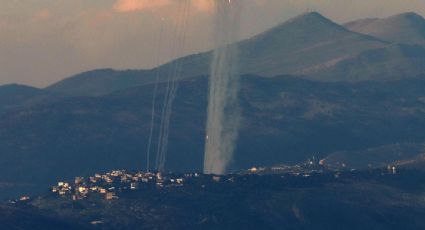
<point>284,120</point>
<point>20,218</point>
<point>321,201</point>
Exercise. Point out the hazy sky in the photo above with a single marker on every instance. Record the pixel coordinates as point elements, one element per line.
<point>42,41</point>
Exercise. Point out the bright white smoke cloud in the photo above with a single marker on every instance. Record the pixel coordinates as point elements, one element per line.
<point>223,109</point>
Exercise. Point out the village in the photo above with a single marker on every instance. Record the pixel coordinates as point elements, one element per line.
<point>111,184</point>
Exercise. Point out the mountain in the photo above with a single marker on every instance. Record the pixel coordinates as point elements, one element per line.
<point>284,120</point>
<point>309,46</point>
<point>102,81</point>
<point>302,46</point>
<point>14,97</point>
<point>393,62</point>
<point>407,28</point>
<point>360,23</point>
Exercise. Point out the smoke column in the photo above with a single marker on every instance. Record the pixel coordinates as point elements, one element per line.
<point>155,90</point>
<point>172,84</point>
<point>223,108</point>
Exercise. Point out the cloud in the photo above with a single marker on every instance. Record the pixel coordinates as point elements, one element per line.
<point>138,5</point>
<point>42,15</point>
<point>204,5</point>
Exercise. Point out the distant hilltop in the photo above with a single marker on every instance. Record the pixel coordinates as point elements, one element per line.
<point>309,46</point>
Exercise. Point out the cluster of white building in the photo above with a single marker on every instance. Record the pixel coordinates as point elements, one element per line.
<point>110,183</point>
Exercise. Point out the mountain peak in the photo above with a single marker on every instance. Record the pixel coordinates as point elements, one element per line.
<point>408,19</point>
<point>312,14</point>
<point>408,15</point>
<point>15,86</point>
<point>314,18</point>
<point>304,24</point>
<point>284,48</point>
<point>406,28</point>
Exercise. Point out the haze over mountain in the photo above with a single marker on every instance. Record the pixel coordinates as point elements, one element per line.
<point>309,45</point>
<point>407,28</point>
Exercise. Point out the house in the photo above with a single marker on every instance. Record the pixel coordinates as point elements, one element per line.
<point>216,178</point>
<point>93,179</point>
<point>24,198</point>
<point>392,169</point>
<point>82,190</point>
<point>159,176</point>
<point>108,179</point>
<point>134,185</point>
<point>96,222</point>
<point>124,179</point>
<point>110,196</point>
<point>78,180</point>
<point>77,197</point>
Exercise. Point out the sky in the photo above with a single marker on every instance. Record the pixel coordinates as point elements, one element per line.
<point>44,41</point>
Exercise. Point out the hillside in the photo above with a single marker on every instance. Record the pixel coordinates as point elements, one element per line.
<point>302,46</point>
<point>381,64</point>
<point>285,120</point>
<point>408,28</point>
<point>14,97</point>
<point>18,218</point>
<point>320,201</point>
<point>102,81</point>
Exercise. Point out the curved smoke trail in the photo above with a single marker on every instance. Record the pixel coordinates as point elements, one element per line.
<point>172,85</point>
<point>155,90</point>
<point>223,108</point>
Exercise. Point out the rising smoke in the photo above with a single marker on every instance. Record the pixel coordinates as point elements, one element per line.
<point>223,109</point>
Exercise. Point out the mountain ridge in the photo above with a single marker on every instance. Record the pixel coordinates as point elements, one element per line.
<point>17,96</point>
<point>408,28</point>
<point>307,45</point>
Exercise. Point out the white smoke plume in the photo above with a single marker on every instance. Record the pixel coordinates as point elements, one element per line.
<point>172,84</point>
<point>223,108</point>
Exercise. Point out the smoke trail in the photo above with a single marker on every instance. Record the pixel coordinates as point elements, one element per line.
<point>155,90</point>
<point>172,85</point>
<point>223,110</point>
